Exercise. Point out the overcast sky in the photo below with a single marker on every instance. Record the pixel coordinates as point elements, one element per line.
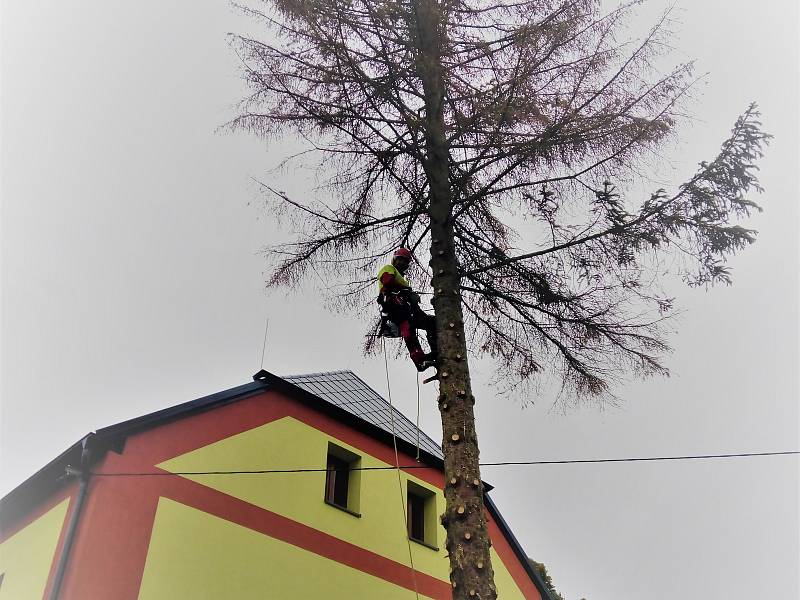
<point>132,281</point>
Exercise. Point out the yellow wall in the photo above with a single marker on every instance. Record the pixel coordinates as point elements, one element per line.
<point>194,556</point>
<point>506,588</point>
<point>26,557</point>
<point>289,443</point>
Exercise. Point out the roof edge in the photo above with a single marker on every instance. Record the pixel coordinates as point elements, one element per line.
<point>119,431</point>
<point>43,483</point>
<point>50,478</point>
<point>306,397</point>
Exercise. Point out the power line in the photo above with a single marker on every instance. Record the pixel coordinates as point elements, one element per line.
<point>488,464</point>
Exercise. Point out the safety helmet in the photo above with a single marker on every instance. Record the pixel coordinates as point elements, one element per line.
<point>402,253</point>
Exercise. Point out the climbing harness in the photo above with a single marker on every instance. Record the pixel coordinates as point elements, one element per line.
<point>388,328</point>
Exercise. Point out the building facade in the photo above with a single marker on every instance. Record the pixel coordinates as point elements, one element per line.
<point>283,488</point>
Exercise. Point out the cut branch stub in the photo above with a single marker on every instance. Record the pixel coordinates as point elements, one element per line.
<point>455,438</point>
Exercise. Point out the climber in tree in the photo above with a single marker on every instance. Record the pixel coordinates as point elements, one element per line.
<point>401,306</point>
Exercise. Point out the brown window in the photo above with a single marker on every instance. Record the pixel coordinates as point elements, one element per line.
<point>343,479</point>
<point>416,517</point>
<point>337,481</point>
<point>421,507</point>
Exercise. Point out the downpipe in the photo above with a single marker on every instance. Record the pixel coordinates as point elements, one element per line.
<point>84,473</point>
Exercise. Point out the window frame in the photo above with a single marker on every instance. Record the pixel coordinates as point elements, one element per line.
<point>344,457</point>
<point>337,481</point>
<point>416,496</point>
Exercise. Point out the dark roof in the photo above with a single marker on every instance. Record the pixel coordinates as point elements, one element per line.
<point>346,390</point>
<point>338,394</point>
<point>345,397</point>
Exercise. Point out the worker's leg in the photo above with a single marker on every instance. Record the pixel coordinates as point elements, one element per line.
<point>422,320</point>
<point>409,335</point>
<point>402,316</point>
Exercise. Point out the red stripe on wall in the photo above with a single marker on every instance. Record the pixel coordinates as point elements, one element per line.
<point>510,560</point>
<point>274,525</point>
<point>111,546</point>
<point>159,444</point>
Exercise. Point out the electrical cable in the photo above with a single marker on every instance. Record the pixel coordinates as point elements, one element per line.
<point>487,464</point>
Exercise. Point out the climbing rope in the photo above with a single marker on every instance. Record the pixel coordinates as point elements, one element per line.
<point>397,468</point>
<point>417,378</point>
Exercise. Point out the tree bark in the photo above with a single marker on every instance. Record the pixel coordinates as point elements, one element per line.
<point>464,519</point>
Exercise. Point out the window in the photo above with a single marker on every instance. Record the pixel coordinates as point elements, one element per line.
<point>416,517</point>
<point>342,481</point>
<point>338,479</point>
<point>421,507</point>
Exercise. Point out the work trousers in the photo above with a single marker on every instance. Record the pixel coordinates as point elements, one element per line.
<point>409,318</point>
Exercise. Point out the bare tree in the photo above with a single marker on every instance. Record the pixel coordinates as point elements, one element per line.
<point>489,132</point>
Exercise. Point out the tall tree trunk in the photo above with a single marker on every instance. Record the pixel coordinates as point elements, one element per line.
<point>467,536</point>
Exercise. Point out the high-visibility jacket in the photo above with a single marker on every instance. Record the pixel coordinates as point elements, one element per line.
<point>391,280</point>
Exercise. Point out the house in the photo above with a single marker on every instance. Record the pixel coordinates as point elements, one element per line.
<point>281,488</point>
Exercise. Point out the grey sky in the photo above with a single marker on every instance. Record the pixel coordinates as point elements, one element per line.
<point>131,281</point>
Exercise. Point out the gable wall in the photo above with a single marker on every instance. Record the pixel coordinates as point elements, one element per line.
<point>169,536</point>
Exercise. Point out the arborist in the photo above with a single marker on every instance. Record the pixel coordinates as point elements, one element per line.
<point>401,306</point>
